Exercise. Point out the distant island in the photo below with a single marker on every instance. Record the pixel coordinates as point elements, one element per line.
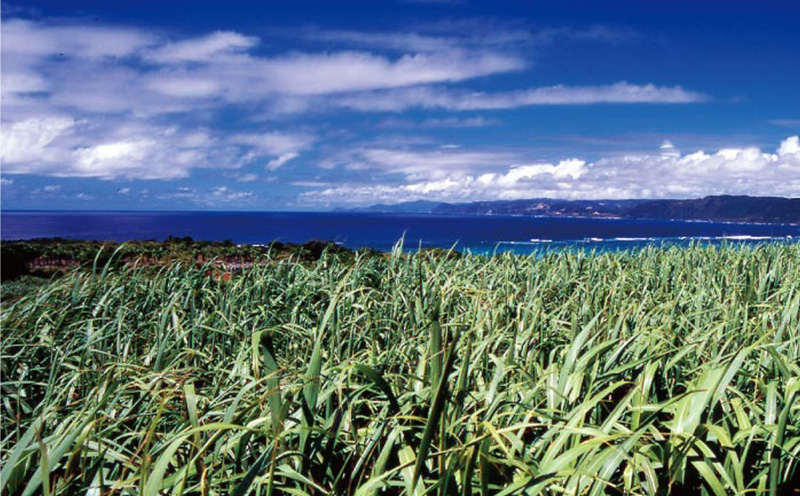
<point>722,208</point>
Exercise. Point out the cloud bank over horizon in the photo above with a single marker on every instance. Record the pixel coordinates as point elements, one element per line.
<point>291,115</point>
<point>458,176</point>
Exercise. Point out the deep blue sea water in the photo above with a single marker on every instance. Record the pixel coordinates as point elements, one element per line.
<point>382,231</point>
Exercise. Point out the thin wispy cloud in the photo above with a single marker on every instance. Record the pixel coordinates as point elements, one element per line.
<point>438,123</point>
<point>477,34</point>
<point>786,122</point>
<point>463,100</point>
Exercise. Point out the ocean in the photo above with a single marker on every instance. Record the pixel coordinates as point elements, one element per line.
<point>478,234</point>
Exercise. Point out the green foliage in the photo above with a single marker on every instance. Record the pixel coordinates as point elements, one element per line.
<point>665,371</point>
<point>21,286</point>
<point>54,256</point>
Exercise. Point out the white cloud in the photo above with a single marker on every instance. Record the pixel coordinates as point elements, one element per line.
<point>414,163</point>
<point>275,143</point>
<point>203,49</point>
<point>134,149</point>
<point>22,37</point>
<point>566,169</point>
<point>437,123</point>
<point>314,74</point>
<point>183,86</point>
<point>115,69</point>
<point>276,163</point>
<point>467,33</point>
<point>460,100</point>
<point>120,69</point>
<point>226,194</point>
<point>42,57</point>
<point>789,147</point>
<point>283,146</point>
<point>395,41</point>
<point>47,191</point>
<point>30,140</point>
<point>110,159</point>
<point>220,195</point>
<point>667,174</point>
<point>247,178</point>
<point>786,122</point>
<point>248,78</point>
<point>102,101</point>
<point>310,184</point>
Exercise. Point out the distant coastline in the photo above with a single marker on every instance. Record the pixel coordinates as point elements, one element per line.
<point>720,209</point>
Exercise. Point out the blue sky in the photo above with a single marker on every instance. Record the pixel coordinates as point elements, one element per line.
<point>314,105</point>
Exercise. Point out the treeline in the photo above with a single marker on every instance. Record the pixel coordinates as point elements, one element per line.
<point>51,256</point>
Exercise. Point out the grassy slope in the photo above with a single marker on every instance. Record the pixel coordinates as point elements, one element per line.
<point>667,370</point>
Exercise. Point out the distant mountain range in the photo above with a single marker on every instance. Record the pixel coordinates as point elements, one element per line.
<point>724,208</point>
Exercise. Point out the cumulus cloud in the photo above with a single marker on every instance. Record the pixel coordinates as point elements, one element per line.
<point>59,147</point>
<point>30,140</point>
<point>459,176</point>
